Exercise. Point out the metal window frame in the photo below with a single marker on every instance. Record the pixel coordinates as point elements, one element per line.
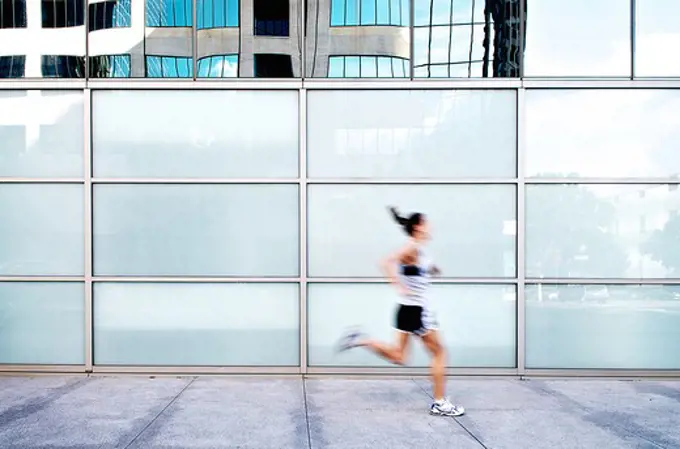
<point>302,87</point>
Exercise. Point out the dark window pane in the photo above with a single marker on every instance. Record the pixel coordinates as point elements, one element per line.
<point>12,66</point>
<point>168,67</point>
<point>63,13</point>
<point>272,17</point>
<point>63,66</point>
<point>110,66</point>
<point>273,66</point>
<point>109,14</point>
<point>168,13</point>
<point>12,13</point>
<point>217,13</point>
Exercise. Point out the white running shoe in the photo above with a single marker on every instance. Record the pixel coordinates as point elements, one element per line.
<point>446,408</point>
<point>349,340</point>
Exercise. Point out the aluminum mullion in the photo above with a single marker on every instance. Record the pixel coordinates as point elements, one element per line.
<point>411,35</point>
<point>87,208</point>
<point>603,373</point>
<point>599,83</point>
<point>604,281</point>
<point>206,370</point>
<point>42,84</point>
<point>653,181</point>
<point>633,15</point>
<point>41,181</point>
<point>195,181</point>
<point>417,371</point>
<point>200,83</point>
<point>302,128</point>
<point>196,279</point>
<point>412,181</point>
<point>520,233</point>
<point>41,369</point>
<point>522,32</point>
<point>382,280</point>
<point>194,40</point>
<point>302,28</point>
<point>406,84</point>
<point>6,278</point>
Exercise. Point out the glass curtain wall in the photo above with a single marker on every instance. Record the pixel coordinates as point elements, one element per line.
<point>178,223</point>
<point>348,39</point>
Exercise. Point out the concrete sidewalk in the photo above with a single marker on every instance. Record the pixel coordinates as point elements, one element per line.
<point>287,413</point>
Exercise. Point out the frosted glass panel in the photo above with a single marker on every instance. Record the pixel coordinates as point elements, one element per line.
<point>603,133</point>
<point>411,134</point>
<point>199,134</point>
<point>41,229</point>
<point>603,326</point>
<point>473,227</point>
<point>41,134</point>
<point>477,323</point>
<point>42,323</point>
<point>580,38</point>
<point>603,231</point>
<point>197,324</point>
<point>199,230</point>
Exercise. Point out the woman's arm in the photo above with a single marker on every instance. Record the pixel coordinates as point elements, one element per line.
<point>390,263</point>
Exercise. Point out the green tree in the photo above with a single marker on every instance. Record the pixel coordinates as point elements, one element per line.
<point>663,245</point>
<point>571,232</point>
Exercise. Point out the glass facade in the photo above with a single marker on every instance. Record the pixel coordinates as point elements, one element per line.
<point>179,218</point>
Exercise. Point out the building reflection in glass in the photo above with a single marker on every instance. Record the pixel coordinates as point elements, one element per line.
<point>260,38</point>
<point>467,38</point>
<point>140,38</point>
<point>451,38</point>
<point>42,39</point>
<point>249,38</point>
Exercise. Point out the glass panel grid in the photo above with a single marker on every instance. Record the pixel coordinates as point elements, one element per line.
<point>592,292</point>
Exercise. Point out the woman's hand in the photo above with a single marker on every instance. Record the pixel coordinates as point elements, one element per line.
<point>435,271</point>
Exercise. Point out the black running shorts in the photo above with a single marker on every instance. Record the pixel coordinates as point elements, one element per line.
<point>415,320</point>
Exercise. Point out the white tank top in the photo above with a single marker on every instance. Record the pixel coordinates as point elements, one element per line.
<point>416,279</point>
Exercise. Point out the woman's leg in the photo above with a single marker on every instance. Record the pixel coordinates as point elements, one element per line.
<point>441,405</point>
<point>438,367</point>
<point>393,353</point>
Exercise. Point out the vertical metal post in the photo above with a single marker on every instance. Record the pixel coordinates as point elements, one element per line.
<point>302,41</point>
<point>411,36</point>
<point>194,39</point>
<point>303,227</point>
<point>87,198</point>
<point>522,32</point>
<point>633,17</point>
<point>86,75</point>
<point>520,261</point>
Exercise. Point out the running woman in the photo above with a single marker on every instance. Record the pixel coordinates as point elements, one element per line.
<point>414,314</point>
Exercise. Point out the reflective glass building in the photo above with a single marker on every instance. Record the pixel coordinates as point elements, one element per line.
<point>200,186</point>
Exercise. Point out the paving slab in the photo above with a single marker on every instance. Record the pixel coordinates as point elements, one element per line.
<point>554,429</point>
<point>647,409</point>
<point>216,413</point>
<point>17,394</point>
<point>354,414</point>
<point>492,394</point>
<point>84,413</point>
<point>282,413</point>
